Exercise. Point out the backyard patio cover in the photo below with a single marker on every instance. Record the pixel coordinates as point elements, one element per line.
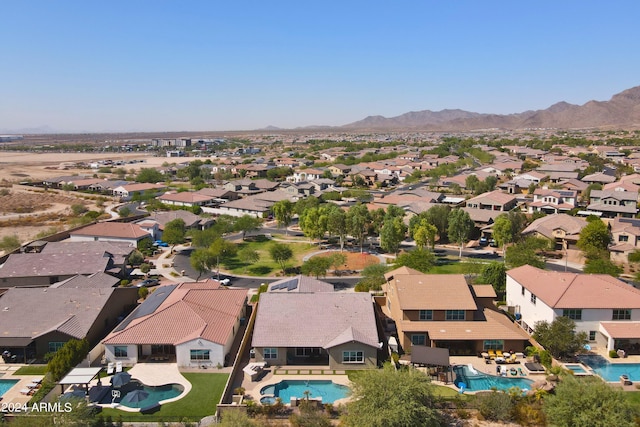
<point>80,376</point>
<point>425,355</point>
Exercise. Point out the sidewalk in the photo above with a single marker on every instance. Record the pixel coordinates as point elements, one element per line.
<point>166,258</point>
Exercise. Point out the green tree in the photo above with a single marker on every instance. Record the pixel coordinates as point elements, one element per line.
<point>248,256</point>
<point>372,278</point>
<point>247,223</point>
<point>392,234</point>
<point>588,402</point>
<point>526,252</point>
<point>424,234</point>
<point>338,259</point>
<point>281,253</point>
<point>472,183</point>
<point>337,223</point>
<point>313,223</point>
<point>9,243</point>
<point>419,259</point>
<point>496,406</point>
<point>175,232</point>
<point>503,233</point>
<point>202,260</point>
<point>391,398</point>
<point>594,239</point>
<point>222,250</point>
<point>357,222</point>
<point>145,268</point>
<point>69,355</point>
<point>495,274</point>
<point>78,209</point>
<point>602,266</point>
<point>145,246</point>
<point>143,291</point>
<point>560,337</point>
<point>283,212</point>
<point>316,266</point>
<point>124,211</point>
<point>135,258</point>
<point>149,175</point>
<point>460,227</point>
<point>304,204</point>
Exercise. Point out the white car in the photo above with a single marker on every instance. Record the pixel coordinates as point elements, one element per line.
<point>225,282</point>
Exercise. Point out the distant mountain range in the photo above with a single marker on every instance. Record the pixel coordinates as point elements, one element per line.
<point>622,110</point>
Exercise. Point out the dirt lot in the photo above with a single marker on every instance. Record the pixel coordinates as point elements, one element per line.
<point>355,260</point>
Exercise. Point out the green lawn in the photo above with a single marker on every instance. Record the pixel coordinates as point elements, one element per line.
<point>633,397</point>
<point>32,370</point>
<point>266,266</point>
<point>447,265</point>
<point>200,402</point>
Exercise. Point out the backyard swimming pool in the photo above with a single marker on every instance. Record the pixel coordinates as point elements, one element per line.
<point>577,368</point>
<point>477,381</point>
<point>150,395</point>
<point>286,389</point>
<point>611,372</point>
<point>5,385</point>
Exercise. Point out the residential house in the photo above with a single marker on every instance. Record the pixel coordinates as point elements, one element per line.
<point>611,203</point>
<point>442,310</point>
<point>257,205</point>
<point>109,232</point>
<point>128,191</point>
<point>219,195</point>
<point>37,321</point>
<point>625,238</point>
<point>186,198</point>
<point>494,201</point>
<point>193,324</point>
<point>316,328</point>
<point>563,229</point>
<point>552,201</point>
<point>607,309</point>
<point>598,178</point>
<point>300,283</point>
<point>339,170</point>
<point>304,175</point>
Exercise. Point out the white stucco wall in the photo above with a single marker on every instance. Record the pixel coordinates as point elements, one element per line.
<point>183,353</point>
<point>531,313</point>
<point>130,360</point>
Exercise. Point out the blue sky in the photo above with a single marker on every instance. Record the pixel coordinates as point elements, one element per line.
<point>213,65</point>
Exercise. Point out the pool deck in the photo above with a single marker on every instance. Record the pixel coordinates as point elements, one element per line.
<point>274,374</point>
<point>13,395</point>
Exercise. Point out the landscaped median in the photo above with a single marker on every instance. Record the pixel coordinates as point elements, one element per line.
<point>200,402</point>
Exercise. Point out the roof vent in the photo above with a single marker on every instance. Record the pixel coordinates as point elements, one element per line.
<point>5,309</point>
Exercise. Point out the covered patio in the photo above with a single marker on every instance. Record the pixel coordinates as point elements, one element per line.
<point>81,377</point>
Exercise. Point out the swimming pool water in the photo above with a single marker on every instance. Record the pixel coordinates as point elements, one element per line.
<point>576,368</point>
<point>5,385</point>
<point>481,381</point>
<point>156,394</point>
<point>327,390</point>
<point>611,372</point>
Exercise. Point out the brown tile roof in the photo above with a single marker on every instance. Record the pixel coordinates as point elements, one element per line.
<point>322,319</point>
<point>495,197</point>
<point>571,225</point>
<point>57,264</point>
<point>484,291</point>
<point>32,312</point>
<point>433,292</point>
<point>192,310</point>
<point>573,290</point>
<point>112,229</point>
<point>621,330</point>
<point>142,187</point>
<point>185,197</point>
<point>496,325</point>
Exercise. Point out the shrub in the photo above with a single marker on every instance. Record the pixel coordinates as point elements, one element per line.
<point>613,354</point>
<point>124,283</point>
<point>496,406</point>
<point>545,358</point>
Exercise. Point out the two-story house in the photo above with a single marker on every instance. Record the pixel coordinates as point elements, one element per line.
<point>612,204</point>
<point>553,201</point>
<point>563,229</point>
<point>442,310</point>
<point>494,201</point>
<point>625,238</point>
<point>607,309</point>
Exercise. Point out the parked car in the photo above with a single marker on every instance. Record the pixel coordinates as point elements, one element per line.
<point>161,244</point>
<point>148,283</point>
<point>483,241</point>
<point>224,281</point>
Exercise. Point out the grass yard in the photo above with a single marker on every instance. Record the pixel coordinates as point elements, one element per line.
<point>32,370</point>
<point>633,397</point>
<point>200,402</point>
<point>454,266</point>
<point>266,266</point>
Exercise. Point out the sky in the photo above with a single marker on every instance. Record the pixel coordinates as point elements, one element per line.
<point>135,65</point>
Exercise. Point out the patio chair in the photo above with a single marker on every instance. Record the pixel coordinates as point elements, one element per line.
<point>499,353</point>
<point>110,368</point>
<point>118,366</point>
<point>492,354</point>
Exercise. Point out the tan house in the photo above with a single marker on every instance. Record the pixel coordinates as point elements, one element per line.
<point>562,228</point>
<point>337,329</point>
<point>494,200</point>
<point>442,310</point>
<point>625,238</point>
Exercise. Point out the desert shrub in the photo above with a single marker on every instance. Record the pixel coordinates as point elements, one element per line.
<point>613,354</point>
<point>496,406</point>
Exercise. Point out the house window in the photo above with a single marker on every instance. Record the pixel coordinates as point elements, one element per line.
<point>418,339</point>
<point>592,335</point>
<point>454,315</point>
<point>575,314</point>
<point>120,351</point>
<point>621,314</point>
<point>306,351</point>
<point>200,354</point>
<point>622,238</point>
<point>270,353</point>
<point>426,315</point>
<point>533,299</point>
<point>493,344</point>
<point>55,346</point>
<point>352,357</point>
<point>522,290</point>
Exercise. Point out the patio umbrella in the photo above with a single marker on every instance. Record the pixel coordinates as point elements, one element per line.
<point>73,394</point>
<point>120,379</point>
<point>135,396</point>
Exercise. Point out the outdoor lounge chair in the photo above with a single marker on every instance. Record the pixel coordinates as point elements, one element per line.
<point>118,366</point>
<point>492,354</point>
<point>499,353</point>
<point>110,368</point>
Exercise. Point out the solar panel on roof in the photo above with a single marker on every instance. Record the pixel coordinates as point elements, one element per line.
<point>632,221</point>
<point>151,304</point>
<point>289,285</point>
